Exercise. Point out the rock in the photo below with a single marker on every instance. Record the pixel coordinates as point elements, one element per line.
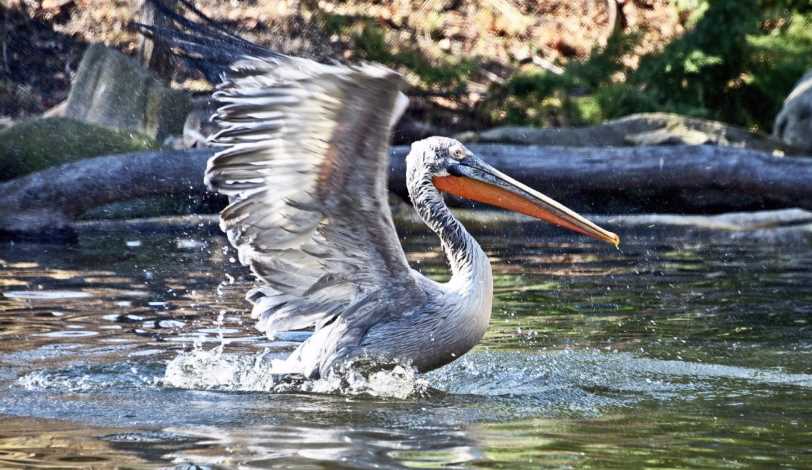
<point>793,125</point>
<point>113,90</point>
<point>636,129</point>
<point>34,145</point>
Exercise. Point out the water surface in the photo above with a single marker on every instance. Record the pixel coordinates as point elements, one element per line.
<point>673,352</point>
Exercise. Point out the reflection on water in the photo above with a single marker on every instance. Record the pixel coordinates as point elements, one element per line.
<point>669,353</point>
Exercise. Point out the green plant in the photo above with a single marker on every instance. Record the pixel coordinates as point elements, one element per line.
<point>545,99</point>
<point>737,62</point>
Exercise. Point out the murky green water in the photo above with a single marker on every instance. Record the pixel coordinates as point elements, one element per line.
<point>667,354</point>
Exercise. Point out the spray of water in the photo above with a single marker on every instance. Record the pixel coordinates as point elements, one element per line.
<point>213,369</point>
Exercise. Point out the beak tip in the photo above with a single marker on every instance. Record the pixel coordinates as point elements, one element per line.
<point>614,239</point>
<point>610,237</point>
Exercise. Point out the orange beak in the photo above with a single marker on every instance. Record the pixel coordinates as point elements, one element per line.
<point>480,182</point>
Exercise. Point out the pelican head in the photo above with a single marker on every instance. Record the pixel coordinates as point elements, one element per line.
<point>454,169</point>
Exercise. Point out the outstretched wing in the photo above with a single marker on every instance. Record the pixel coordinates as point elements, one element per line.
<point>305,167</point>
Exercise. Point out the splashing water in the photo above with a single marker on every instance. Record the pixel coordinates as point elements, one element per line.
<point>213,369</point>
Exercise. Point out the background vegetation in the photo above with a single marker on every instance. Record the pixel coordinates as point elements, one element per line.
<point>736,63</point>
<point>476,63</point>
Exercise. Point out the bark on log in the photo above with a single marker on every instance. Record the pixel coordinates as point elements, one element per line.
<point>682,179</point>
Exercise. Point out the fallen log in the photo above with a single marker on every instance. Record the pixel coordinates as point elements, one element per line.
<point>678,179</point>
<point>686,179</point>
<point>48,200</point>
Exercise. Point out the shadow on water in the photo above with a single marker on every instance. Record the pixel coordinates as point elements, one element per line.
<point>135,350</point>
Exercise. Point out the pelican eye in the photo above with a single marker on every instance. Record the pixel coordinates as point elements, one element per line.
<point>457,153</point>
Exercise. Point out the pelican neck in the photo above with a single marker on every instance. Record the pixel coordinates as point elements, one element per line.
<point>465,257</point>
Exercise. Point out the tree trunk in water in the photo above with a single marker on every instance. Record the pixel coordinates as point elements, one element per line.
<point>155,54</point>
<point>679,179</point>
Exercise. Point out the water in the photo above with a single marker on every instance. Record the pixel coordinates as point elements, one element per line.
<point>132,349</point>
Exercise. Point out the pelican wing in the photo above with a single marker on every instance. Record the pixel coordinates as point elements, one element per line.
<point>305,167</point>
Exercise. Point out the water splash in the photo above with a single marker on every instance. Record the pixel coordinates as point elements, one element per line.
<point>367,376</point>
<point>213,369</point>
<point>88,379</point>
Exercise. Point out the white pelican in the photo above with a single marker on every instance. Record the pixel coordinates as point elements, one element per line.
<point>304,164</point>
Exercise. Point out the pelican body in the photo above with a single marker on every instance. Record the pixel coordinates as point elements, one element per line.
<point>304,162</point>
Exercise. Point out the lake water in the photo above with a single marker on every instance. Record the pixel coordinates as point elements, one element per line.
<point>132,349</point>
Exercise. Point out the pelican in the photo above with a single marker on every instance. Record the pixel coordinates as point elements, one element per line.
<point>304,161</point>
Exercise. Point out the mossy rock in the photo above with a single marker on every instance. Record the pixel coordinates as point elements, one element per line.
<point>41,143</point>
<point>115,91</point>
<point>793,125</point>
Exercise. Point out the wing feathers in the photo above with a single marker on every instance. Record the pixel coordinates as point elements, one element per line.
<point>305,165</point>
